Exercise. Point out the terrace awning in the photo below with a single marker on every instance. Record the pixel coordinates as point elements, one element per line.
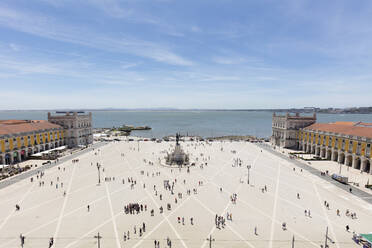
<point>48,151</point>
<point>3,166</point>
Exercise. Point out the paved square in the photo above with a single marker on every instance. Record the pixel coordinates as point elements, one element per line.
<point>45,212</point>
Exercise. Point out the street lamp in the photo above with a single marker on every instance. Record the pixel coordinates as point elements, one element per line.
<point>99,173</point>
<point>248,167</point>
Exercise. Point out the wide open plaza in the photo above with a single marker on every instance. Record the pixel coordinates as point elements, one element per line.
<point>57,204</point>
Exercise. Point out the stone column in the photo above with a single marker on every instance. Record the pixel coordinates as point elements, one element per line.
<point>19,156</point>
<point>11,157</point>
<point>322,152</point>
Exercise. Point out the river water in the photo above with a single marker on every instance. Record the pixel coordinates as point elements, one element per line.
<point>203,123</point>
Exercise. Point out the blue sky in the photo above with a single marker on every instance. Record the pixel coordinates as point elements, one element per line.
<point>185,54</point>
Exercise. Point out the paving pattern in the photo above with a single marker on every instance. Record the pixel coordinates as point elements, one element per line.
<point>45,212</point>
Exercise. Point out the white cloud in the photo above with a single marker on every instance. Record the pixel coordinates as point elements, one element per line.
<point>229,60</point>
<point>126,66</point>
<point>49,28</point>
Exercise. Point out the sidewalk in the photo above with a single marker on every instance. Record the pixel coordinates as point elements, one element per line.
<point>362,193</point>
<point>355,176</point>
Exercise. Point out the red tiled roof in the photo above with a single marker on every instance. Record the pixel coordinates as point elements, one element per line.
<point>20,126</point>
<point>356,129</point>
<point>347,123</point>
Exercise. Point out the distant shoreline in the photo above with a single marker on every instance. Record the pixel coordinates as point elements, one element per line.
<point>302,111</point>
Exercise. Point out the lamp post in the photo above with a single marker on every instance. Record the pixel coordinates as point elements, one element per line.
<point>340,167</point>
<point>98,237</point>
<point>99,173</point>
<point>248,167</point>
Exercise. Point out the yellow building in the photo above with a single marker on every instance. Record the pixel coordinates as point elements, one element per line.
<point>21,138</point>
<point>349,143</point>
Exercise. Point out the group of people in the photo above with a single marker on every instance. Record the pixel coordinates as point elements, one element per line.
<point>220,221</point>
<point>182,219</point>
<point>141,230</point>
<point>233,198</point>
<point>134,208</point>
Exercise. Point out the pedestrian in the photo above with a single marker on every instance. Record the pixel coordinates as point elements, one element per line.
<point>51,242</point>
<point>255,230</point>
<point>88,207</point>
<point>347,228</point>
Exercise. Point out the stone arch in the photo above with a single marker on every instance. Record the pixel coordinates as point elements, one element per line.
<point>56,144</point>
<point>317,151</point>
<point>23,154</point>
<point>328,154</point>
<point>2,160</point>
<point>15,157</point>
<point>366,166</point>
<point>335,156</point>
<point>341,158</point>
<point>30,151</point>
<point>357,163</point>
<point>349,160</point>
<point>7,158</point>
<point>46,147</point>
<point>313,149</point>
<point>304,146</point>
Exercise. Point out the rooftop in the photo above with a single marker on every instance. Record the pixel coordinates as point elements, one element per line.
<point>296,116</point>
<point>348,128</point>
<point>22,126</point>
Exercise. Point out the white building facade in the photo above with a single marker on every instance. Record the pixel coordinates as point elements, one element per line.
<point>285,129</point>
<point>77,126</point>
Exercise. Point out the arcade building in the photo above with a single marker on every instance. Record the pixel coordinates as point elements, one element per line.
<point>348,143</point>
<point>20,139</point>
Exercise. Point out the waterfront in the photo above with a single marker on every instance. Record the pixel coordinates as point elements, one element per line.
<point>202,123</point>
